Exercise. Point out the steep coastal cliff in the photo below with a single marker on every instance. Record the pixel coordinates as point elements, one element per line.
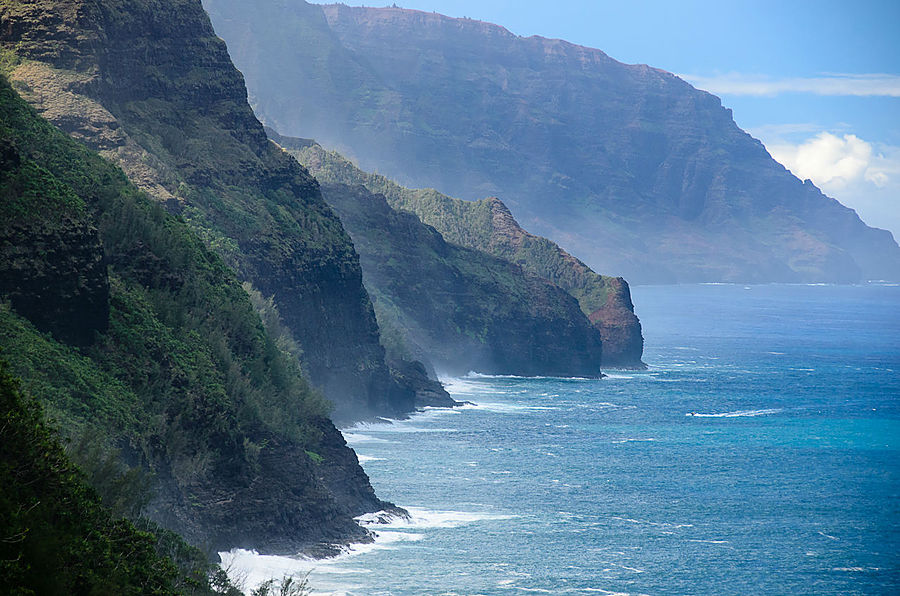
<point>156,362</point>
<point>488,226</point>
<point>461,309</point>
<point>150,86</point>
<point>626,166</point>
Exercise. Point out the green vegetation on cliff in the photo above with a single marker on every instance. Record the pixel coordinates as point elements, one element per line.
<point>459,308</point>
<point>488,226</point>
<point>57,538</point>
<point>156,353</point>
<point>151,87</point>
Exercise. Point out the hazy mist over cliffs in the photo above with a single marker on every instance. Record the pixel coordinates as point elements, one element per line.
<point>628,167</point>
<point>316,299</point>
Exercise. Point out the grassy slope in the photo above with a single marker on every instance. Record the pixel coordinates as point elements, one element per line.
<point>58,538</point>
<point>184,379</point>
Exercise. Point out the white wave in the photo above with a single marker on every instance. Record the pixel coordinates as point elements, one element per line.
<point>630,440</point>
<point>463,387</point>
<point>509,408</point>
<point>738,413</point>
<point>419,517</point>
<point>249,569</point>
<point>362,432</point>
<point>435,411</point>
<point>365,458</point>
<point>399,426</point>
<point>652,523</point>
<point>627,568</point>
<point>617,377</point>
<point>356,438</point>
<point>708,541</point>
<point>478,375</point>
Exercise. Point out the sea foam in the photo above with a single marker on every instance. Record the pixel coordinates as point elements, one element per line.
<point>738,413</point>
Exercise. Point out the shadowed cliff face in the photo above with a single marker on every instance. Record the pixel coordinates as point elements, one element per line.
<point>626,166</point>
<point>52,265</point>
<point>459,308</point>
<point>156,358</point>
<point>150,86</point>
<point>488,226</point>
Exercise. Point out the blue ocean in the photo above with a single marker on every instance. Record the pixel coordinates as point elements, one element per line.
<point>758,454</point>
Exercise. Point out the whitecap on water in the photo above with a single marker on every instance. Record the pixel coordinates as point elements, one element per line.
<point>365,458</point>
<point>738,413</point>
<point>391,427</point>
<point>462,386</point>
<point>419,517</point>
<point>356,438</point>
<point>417,423</point>
<point>508,408</point>
<point>652,523</point>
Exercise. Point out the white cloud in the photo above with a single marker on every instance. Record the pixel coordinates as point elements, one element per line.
<point>826,159</point>
<point>885,85</point>
<point>861,175</point>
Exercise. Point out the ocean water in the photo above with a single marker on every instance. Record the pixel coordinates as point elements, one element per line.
<point>759,454</point>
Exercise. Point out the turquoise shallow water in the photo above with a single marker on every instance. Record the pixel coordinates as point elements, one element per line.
<point>785,480</point>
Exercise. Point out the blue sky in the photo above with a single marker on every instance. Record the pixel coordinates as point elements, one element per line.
<point>817,81</point>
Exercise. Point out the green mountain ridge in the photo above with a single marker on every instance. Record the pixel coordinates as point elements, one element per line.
<point>487,226</point>
<point>460,309</point>
<point>626,166</point>
<point>150,86</point>
<point>175,372</point>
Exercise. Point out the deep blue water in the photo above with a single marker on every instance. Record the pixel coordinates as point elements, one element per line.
<point>785,482</point>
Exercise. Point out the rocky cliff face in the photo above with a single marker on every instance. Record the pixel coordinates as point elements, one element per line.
<point>157,359</point>
<point>150,86</point>
<point>489,227</point>
<point>52,265</point>
<point>606,300</point>
<point>459,308</point>
<point>626,166</point>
